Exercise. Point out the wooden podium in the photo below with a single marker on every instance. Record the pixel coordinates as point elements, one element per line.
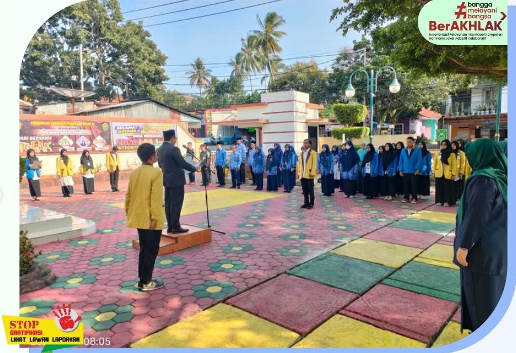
<point>174,242</point>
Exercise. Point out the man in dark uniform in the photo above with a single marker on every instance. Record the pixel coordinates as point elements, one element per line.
<point>173,166</point>
<point>204,156</point>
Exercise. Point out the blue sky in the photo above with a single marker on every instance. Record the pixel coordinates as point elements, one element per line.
<point>216,39</point>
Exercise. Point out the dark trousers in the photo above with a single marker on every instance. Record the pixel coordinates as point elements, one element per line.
<point>191,177</point>
<point>258,179</point>
<point>391,184</point>
<point>349,187</point>
<point>445,191</point>
<point>149,246</point>
<point>113,179</point>
<point>252,175</point>
<point>242,174</point>
<point>370,186</point>
<point>205,173</point>
<point>410,186</point>
<point>360,182</point>
<point>220,176</point>
<point>280,178</point>
<point>308,191</point>
<point>424,185</point>
<point>174,198</point>
<point>235,177</point>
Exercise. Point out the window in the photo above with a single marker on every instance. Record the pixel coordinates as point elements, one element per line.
<point>398,129</point>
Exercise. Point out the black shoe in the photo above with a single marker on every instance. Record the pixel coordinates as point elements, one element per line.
<point>285,190</point>
<point>305,206</point>
<point>238,187</point>
<point>179,231</point>
<point>310,207</point>
<point>233,187</point>
<point>153,285</point>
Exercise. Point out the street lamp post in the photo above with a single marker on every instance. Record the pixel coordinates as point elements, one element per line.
<point>372,86</point>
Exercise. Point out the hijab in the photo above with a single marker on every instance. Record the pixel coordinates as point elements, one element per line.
<point>32,159</point>
<point>456,150</point>
<point>462,144</point>
<point>335,150</point>
<point>369,156</point>
<point>503,146</point>
<point>398,151</point>
<point>287,155</point>
<point>277,151</point>
<point>349,158</point>
<point>388,156</point>
<point>486,159</point>
<point>445,153</point>
<point>272,161</point>
<point>85,160</point>
<point>326,158</point>
<point>64,158</point>
<point>424,150</point>
<point>258,156</point>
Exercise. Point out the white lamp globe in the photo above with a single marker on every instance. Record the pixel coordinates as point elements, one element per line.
<point>395,86</point>
<point>350,91</point>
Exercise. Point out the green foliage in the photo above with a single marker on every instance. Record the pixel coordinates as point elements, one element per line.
<point>23,168</point>
<point>350,114</point>
<point>199,75</point>
<point>401,40</point>
<point>327,112</point>
<point>27,254</point>
<point>350,132</point>
<point>422,138</point>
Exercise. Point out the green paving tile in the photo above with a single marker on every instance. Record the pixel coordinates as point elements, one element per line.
<point>353,275</point>
<point>439,282</point>
<point>424,226</point>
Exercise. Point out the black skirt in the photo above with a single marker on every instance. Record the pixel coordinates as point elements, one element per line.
<point>327,184</point>
<point>272,182</point>
<point>89,185</point>
<point>34,188</point>
<point>424,185</point>
<point>349,187</point>
<point>400,189</point>
<point>370,186</point>
<point>360,182</point>
<point>445,191</point>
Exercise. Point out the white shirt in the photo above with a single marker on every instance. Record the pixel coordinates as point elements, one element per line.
<point>114,157</point>
<point>305,157</point>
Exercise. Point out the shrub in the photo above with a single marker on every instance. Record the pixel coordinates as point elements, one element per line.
<point>350,132</point>
<point>349,114</point>
<point>422,138</point>
<point>22,168</point>
<point>27,254</point>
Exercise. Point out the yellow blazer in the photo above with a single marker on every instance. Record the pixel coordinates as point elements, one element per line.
<point>311,166</point>
<point>448,170</point>
<point>144,198</point>
<point>85,171</point>
<point>64,169</point>
<point>468,170</point>
<point>461,159</point>
<point>110,162</point>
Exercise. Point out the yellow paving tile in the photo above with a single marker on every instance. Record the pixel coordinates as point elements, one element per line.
<point>195,202</point>
<point>392,255</point>
<point>343,332</point>
<point>221,327</point>
<point>450,334</point>
<point>443,217</point>
<point>438,255</point>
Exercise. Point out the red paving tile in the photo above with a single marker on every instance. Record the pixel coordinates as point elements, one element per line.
<point>405,237</point>
<point>457,316</point>
<point>295,303</point>
<point>410,314</point>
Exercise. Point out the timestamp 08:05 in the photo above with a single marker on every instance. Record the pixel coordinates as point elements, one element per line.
<point>91,341</point>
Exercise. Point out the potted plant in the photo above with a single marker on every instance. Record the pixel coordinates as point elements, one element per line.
<point>478,109</point>
<point>492,106</point>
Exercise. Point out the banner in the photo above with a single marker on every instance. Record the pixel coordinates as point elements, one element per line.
<point>128,136</point>
<point>52,136</point>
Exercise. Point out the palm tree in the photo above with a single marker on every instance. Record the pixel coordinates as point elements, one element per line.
<point>199,75</point>
<point>267,38</point>
<point>236,65</point>
<point>272,65</point>
<point>211,87</point>
<point>250,59</point>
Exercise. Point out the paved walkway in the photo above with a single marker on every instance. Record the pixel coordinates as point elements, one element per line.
<point>279,277</point>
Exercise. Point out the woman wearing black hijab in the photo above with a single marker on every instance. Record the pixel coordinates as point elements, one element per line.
<point>400,190</point>
<point>87,172</point>
<point>65,171</point>
<point>382,179</point>
<point>370,169</point>
<point>33,174</point>
<point>389,170</point>
<point>426,170</point>
<point>445,170</point>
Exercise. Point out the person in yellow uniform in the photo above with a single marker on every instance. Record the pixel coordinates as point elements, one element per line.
<point>65,172</point>
<point>88,172</point>
<point>445,171</point>
<point>307,170</point>
<point>113,167</point>
<point>461,166</point>
<point>144,209</point>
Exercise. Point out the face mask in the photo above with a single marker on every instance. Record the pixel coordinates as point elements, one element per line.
<point>348,147</point>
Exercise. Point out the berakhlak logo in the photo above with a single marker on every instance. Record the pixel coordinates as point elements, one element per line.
<point>66,318</point>
<point>461,12</point>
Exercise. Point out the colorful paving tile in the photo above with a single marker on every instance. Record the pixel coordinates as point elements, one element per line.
<point>228,266</point>
<point>213,289</point>
<point>442,217</point>
<point>344,332</point>
<point>108,230</point>
<point>244,235</point>
<point>107,316</point>
<point>413,315</point>
<point>450,334</point>
<point>337,219</point>
<point>439,282</point>
<point>438,255</point>
<point>107,260</point>
<point>341,227</point>
<point>36,307</point>
<point>53,256</point>
<point>83,242</point>
<point>355,276</point>
<point>124,245</point>
<point>168,261</point>
<point>294,236</point>
<point>74,281</point>
<point>424,226</point>
<point>213,327</point>
<point>404,237</point>
<point>132,286</point>
<point>386,254</point>
<point>294,226</point>
<point>254,217</point>
<point>237,248</point>
<point>250,225</point>
<point>293,250</point>
<point>307,305</point>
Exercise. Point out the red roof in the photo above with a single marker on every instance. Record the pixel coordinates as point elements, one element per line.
<point>429,113</point>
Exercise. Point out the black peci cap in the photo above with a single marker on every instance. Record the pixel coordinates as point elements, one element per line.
<point>168,134</point>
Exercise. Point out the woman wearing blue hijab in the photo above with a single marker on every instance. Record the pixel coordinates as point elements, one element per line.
<point>360,178</point>
<point>278,153</point>
<point>271,167</point>
<point>336,168</point>
<point>288,168</point>
<point>325,168</point>
<point>349,163</point>
<point>258,167</point>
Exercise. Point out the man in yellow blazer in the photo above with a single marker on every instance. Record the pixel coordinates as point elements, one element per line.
<point>113,167</point>
<point>306,171</point>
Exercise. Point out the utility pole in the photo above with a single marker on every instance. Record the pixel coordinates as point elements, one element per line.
<point>365,94</point>
<point>81,75</point>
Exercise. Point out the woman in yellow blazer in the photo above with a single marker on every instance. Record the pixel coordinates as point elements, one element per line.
<point>445,171</point>
<point>65,171</point>
<point>307,171</point>
<point>461,166</point>
<point>113,167</point>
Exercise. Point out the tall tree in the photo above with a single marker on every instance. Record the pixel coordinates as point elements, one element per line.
<point>267,41</point>
<point>249,58</point>
<point>394,28</point>
<point>199,75</point>
<point>237,68</point>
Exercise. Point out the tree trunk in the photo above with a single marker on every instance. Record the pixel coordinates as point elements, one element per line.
<point>251,83</point>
